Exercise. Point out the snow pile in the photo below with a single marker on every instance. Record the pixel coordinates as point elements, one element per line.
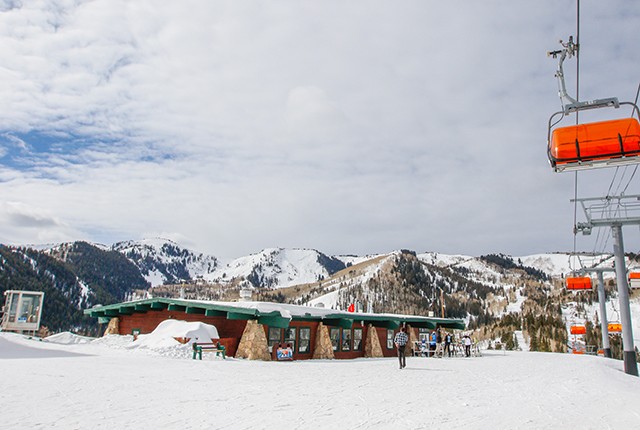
<point>68,338</point>
<point>164,335</point>
<point>162,341</point>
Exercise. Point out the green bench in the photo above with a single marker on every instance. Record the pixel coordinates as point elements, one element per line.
<point>198,348</point>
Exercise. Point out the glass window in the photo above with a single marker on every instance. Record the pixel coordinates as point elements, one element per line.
<point>389,339</point>
<point>346,339</point>
<point>334,334</point>
<point>357,339</point>
<point>290,337</point>
<point>29,308</point>
<point>13,308</point>
<point>275,336</point>
<point>305,340</point>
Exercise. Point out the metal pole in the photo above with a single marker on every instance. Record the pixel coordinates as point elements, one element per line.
<point>630,363</point>
<point>604,322</point>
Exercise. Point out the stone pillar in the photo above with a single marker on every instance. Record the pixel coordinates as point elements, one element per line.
<point>372,348</point>
<point>323,349</point>
<point>413,338</point>
<point>253,344</point>
<point>113,327</point>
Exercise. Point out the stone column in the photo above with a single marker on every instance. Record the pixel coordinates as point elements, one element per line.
<point>323,349</point>
<point>372,348</point>
<point>413,338</point>
<point>113,327</point>
<point>253,344</point>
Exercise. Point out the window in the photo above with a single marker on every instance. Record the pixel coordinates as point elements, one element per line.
<point>290,337</point>
<point>275,336</point>
<point>357,339</point>
<point>389,339</point>
<point>13,308</point>
<point>29,308</point>
<point>334,334</point>
<point>346,339</point>
<point>305,340</point>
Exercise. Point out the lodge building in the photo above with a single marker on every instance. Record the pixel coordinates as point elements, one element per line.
<point>252,329</point>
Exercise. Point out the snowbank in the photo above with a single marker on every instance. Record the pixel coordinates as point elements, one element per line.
<point>68,338</point>
<point>168,330</point>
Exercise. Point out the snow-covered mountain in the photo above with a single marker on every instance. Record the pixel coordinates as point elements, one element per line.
<point>278,267</point>
<point>163,261</point>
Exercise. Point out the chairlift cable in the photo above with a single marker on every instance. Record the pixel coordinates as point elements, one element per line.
<point>615,174</point>
<point>636,167</point>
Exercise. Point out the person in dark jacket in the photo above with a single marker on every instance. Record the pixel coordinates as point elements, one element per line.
<point>447,343</point>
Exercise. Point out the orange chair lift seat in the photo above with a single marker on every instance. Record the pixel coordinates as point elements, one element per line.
<point>582,283</point>
<point>634,280</point>
<point>614,327</point>
<point>597,142</point>
<point>578,329</point>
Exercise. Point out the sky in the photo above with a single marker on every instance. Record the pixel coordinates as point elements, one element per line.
<point>348,127</point>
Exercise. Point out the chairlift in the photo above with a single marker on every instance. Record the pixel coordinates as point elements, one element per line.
<point>614,325</point>
<point>579,283</point>
<point>634,280</point>
<point>590,145</point>
<point>578,329</point>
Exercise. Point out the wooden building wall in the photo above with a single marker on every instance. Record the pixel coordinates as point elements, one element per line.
<point>230,331</point>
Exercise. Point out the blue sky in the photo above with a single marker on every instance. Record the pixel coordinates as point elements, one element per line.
<point>349,127</point>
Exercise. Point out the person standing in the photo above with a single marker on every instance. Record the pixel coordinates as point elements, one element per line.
<point>467,346</point>
<point>400,341</point>
<point>447,343</point>
<point>439,352</point>
<point>433,342</point>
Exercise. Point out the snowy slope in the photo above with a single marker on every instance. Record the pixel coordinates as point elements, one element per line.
<point>278,267</point>
<point>162,388</point>
<point>357,274</point>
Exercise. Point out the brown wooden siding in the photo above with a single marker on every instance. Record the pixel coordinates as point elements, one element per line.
<point>230,331</point>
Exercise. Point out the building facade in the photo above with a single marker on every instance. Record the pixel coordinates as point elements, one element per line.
<point>256,329</point>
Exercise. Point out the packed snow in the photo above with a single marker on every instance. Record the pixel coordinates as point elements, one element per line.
<point>115,382</point>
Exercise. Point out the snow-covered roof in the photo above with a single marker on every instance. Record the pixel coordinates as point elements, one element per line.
<point>271,314</point>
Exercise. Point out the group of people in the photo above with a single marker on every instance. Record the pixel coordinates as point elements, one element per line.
<point>439,344</point>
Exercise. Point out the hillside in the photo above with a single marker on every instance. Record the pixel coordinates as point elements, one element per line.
<point>73,277</point>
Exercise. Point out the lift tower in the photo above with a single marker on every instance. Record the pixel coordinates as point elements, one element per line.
<point>602,299</point>
<point>614,212</point>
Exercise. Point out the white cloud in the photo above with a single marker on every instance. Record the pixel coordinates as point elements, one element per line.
<point>340,126</point>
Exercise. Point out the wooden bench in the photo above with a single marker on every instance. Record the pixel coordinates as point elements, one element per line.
<point>198,348</point>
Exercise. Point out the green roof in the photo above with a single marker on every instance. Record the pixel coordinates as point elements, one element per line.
<point>271,314</point>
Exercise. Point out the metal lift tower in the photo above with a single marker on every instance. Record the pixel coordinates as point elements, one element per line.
<point>614,212</point>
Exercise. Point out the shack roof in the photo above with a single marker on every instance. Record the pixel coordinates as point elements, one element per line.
<point>271,314</point>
